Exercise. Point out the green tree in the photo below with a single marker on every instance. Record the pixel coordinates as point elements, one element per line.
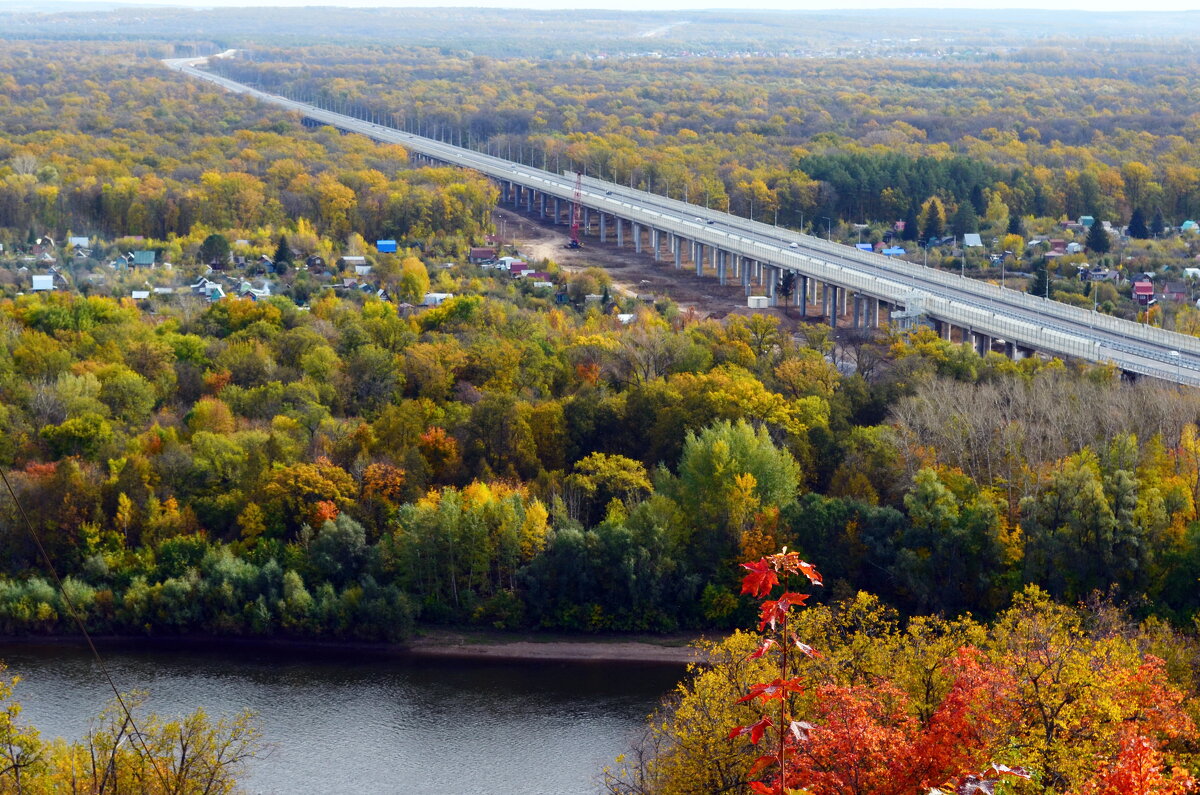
<point>951,551</point>
<point>215,248</point>
<point>965,219</point>
<point>911,231</point>
<point>1040,283</point>
<point>727,472</point>
<point>933,218</point>
<point>1098,240</point>
<point>86,435</point>
<point>283,253</point>
<point>339,552</point>
<point>1137,225</point>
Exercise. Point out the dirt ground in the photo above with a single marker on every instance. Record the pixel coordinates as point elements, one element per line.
<point>633,274</point>
<point>502,646</point>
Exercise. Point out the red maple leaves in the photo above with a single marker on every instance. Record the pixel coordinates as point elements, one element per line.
<point>868,739</point>
<point>764,573</point>
<point>1138,770</point>
<point>755,730</point>
<point>772,691</point>
<point>763,578</point>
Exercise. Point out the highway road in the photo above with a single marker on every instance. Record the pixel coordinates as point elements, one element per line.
<point>1029,321</point>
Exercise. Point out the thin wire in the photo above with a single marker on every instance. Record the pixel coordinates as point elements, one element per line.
<point>145,750</point>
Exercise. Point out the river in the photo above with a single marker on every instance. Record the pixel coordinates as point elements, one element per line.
<point>348,722</point>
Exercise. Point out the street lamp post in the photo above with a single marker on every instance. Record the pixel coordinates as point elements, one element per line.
<point>828,227</point>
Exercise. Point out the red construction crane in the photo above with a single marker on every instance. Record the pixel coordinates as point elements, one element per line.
<point>576,212</point>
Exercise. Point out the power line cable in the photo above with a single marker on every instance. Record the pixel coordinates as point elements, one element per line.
<point>137,733</point>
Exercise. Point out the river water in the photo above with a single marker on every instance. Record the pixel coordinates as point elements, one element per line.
<point>348,722</point>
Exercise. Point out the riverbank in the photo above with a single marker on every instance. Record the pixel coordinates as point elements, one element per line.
<point>674,649</point>
<point>463,644</point>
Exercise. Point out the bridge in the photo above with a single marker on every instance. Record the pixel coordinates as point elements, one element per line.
<point>841,280</point>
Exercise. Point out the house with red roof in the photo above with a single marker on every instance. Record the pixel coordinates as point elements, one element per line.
<point>1143,292</point>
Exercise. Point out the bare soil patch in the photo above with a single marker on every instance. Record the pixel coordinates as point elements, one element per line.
<point>633,274</point>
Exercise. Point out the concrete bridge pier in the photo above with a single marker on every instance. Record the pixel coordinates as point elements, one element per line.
<point>620,232</point>
<point>637,238</point>
<point>529,200</point>
<point>677,249</point>
<point>603,227</point>
<point>557,212</point>
<point>875,312</point>
<point>720,257</point>
<point>698,257</point>
<point>587,219</point>
<point>542,204</point>
<point>746,268</point>
<point>802,297</point>
<point>772,282</point>
<point>655,243</point>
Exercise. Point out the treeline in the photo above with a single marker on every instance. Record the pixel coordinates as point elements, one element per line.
<point>1052,132</point>
<point>340,472</point>
<point>117,147</point>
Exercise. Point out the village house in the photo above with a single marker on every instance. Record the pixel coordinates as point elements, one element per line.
<point>1098,273</point>
<point>478,256</point>
<point>209,289</point>
<point>249,290</point>
<point>1143,292</point>
<point>1175,291</point>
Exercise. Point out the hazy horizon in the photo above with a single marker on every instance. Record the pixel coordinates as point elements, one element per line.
<point>1091,6</point>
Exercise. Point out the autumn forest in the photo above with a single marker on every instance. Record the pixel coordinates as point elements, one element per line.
<point>1008,551</point>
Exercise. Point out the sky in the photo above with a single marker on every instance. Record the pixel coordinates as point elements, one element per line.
<point>692,5</point>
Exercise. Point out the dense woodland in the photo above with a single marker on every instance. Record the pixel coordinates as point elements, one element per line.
<point>115,148</point>
<point>1047,131</point>
<point>343,469</point>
